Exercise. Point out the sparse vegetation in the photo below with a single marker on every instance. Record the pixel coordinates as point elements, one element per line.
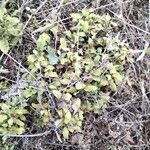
<point>68,78</point>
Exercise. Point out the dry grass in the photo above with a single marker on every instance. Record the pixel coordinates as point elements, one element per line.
<point>124,122</point>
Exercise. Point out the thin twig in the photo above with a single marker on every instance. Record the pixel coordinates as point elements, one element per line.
<point>27,135</point>
<point>21,66</point>
<point>125,22</point>
<point>49,26</point>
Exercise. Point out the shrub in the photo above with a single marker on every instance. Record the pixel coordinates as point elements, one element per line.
<point>78,68</point>
<point>87,62</point>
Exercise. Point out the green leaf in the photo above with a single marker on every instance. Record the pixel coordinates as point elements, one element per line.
<point>71,129</point>
<point>21,111</point>
<point>5,107</point>
<point>42,41</point>
<point>76,105</point>
<point>77,67</point>
<point>85,12</point>
<point>60,113</point>
<point>67,118</point>
<point>76,16</point>
<point>147,51</point>
<point>65,133</point>
<point>63,44</point>
<point>14,20</point>
<point>3,11</point>
<point>27,93</point>
<point>112,85</point>
<point>54,30</point>
<point>79,85</point>
<point>57,94</point>
<point>81,115</point>
<point>3,118</point>
<point>97,72</point>
<point>10,121</point>
<point>79,123</point>
<point>71,90</point>
<point>85,25</point>
<point>90,88</point>
<point>4,46</point>
<point>52,74</point>
<point>19,122</point>
<point>65,81</point>
<point>67,96</point>
<point>52,57</point>
<point>52,87</point>
<point>19,130</point>
<point>32,58</point>
<point>105,96</point>
<point>118,77</point>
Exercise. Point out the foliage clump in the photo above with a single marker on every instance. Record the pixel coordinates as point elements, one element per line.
<point>77,68</point>
<point>85,67</point>
<point>12,119</point>
<point>10,29</point>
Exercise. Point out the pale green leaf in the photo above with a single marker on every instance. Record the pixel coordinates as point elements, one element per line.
<point>3,11</point>
<point>147,51</point>
<point>97,72</point>
<point>32,58</point>
<point>67,118</point>
<point>112,85</point>
<point>63,44</point>
<point>20,130</point>
<point>27,93</point>
<point>76,16</point>
<point>77,67</point>
<point>57,94</point>
<point>80,85</point>
<point>76,105</point>
<point>19,122</point>
<point>85,25</point>
<point>52,87</point>
<point>3,118</point>
<point>5,107</point>
<point>105,96</point>
<point>81,115</point>
<point>10,121</point>
<point>13,20</point>
<point>54,30</point>
<point>67,96</point>
<point>4,46</point>
<point>42,41</point>
<point>118,77</point>
<point>60,113</point>
<point>71,129</point>
<point>65,81</point>
<point>85,12</point>
<point>79,123</point>
<point>52,74</point>
<point>90,88</point>
<point>65,133</point>
<point>21,111</point>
